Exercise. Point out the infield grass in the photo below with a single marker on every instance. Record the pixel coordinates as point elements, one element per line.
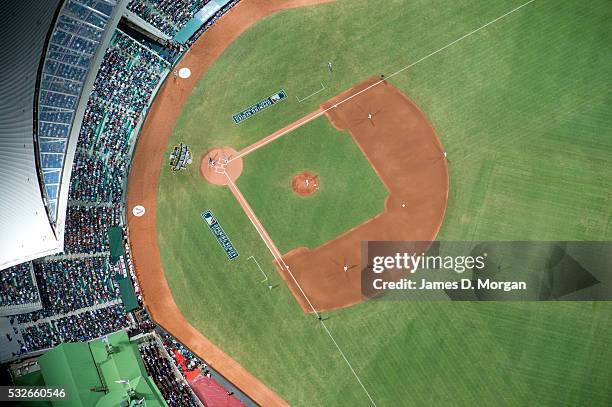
<point>523,109</point>
<point>349,191</point>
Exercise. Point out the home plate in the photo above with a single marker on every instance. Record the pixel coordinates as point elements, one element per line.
<point>138,211</point>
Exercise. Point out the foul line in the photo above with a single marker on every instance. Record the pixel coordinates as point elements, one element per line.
<point>256,146</point>
<point>267,140</point>
<point>277,256</point>
<point>274,250</point>
<point>427,56</point>
<point>312,94</point>
<point>462,38</point>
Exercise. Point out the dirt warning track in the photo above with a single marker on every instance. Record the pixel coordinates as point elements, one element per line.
<point>143,182</point>
<point>404,150</point>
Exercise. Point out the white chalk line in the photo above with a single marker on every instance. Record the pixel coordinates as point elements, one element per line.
<point>284,265</point>
<point>250,149</point>
<point>461,38</point>
<point>348,363</point>
<point>312,94</point>
<point>329,333</point>
<point>259,267</point>
<point>428,56</point>
<point>335,105</point>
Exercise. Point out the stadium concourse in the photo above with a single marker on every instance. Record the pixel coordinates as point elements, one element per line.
<point>83,293</point>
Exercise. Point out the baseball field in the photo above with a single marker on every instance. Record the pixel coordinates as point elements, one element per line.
<point>518,95</point>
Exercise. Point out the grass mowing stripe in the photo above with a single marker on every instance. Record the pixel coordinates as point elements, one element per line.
<point>523,101</point>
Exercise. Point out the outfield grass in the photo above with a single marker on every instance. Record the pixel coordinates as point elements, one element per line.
<point>523,109</point>
<point>349,191</point>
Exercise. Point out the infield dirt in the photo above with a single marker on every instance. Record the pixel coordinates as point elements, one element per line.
<point>143,184</point>
<point>404,150</point>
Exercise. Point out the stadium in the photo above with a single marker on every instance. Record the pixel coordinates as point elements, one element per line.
<point>198,199</point>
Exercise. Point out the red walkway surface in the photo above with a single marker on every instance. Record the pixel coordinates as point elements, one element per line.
<point>189,374</point>
<point>212,393</point>
<point>208,390</point>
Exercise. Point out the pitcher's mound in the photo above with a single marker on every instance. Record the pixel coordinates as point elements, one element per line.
<point>305,183</point>
<point>219,165</point>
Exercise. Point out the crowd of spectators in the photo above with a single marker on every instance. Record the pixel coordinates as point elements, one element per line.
<point>68,285</point>
<point>83,326</point>
<point>91,324</point>
<point>122,89</point>
<point>128,75</point>
<point>191,360</point>
<point>70,52</point>
<point>168,16</point>
<point>211,21</point>
<point>17,286</point>
<point>87,226</point>
<point>82,277</point>
<point>29,317</point>
<point>74,286</point>
<point>141,327</point>
<point>39,336</point>
<point>148,13</point>
<point>171,51</point>
<point>175,391</point>
<point>106,129</point>
<point>95,179</point>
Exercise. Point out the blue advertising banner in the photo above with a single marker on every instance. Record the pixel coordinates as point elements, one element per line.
<point>259,106</point>
<point>220,235</point>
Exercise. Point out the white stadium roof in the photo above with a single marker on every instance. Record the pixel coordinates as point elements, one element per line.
<point>25,230</point>
<point>51,55</point>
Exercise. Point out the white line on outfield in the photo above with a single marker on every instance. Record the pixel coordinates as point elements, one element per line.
<point>278,257</point>
<point>312,94</point>
<point>348,363</point>
<point>461,38</point>
<point>329,333</point>
<point>429,55</point>
<point>336,105</point>
<point>259,267</point>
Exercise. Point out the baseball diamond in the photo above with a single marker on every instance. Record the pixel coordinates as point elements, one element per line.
<point>399,121</point>
<point>230,203</point>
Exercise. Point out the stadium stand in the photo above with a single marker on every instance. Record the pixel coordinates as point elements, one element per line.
<point>210,22</point>
<point>87,228</point>
<point>168,16</point>
<point>208,385</point>
<point>78,289</point>
<point>93,323</point>
<point>126,81</point>
<point>78,326</point>
<point>71,284</point>
<point>70,52</point>
<point>80,285</point>
<point>176,392</point>
<point>17,286</point>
